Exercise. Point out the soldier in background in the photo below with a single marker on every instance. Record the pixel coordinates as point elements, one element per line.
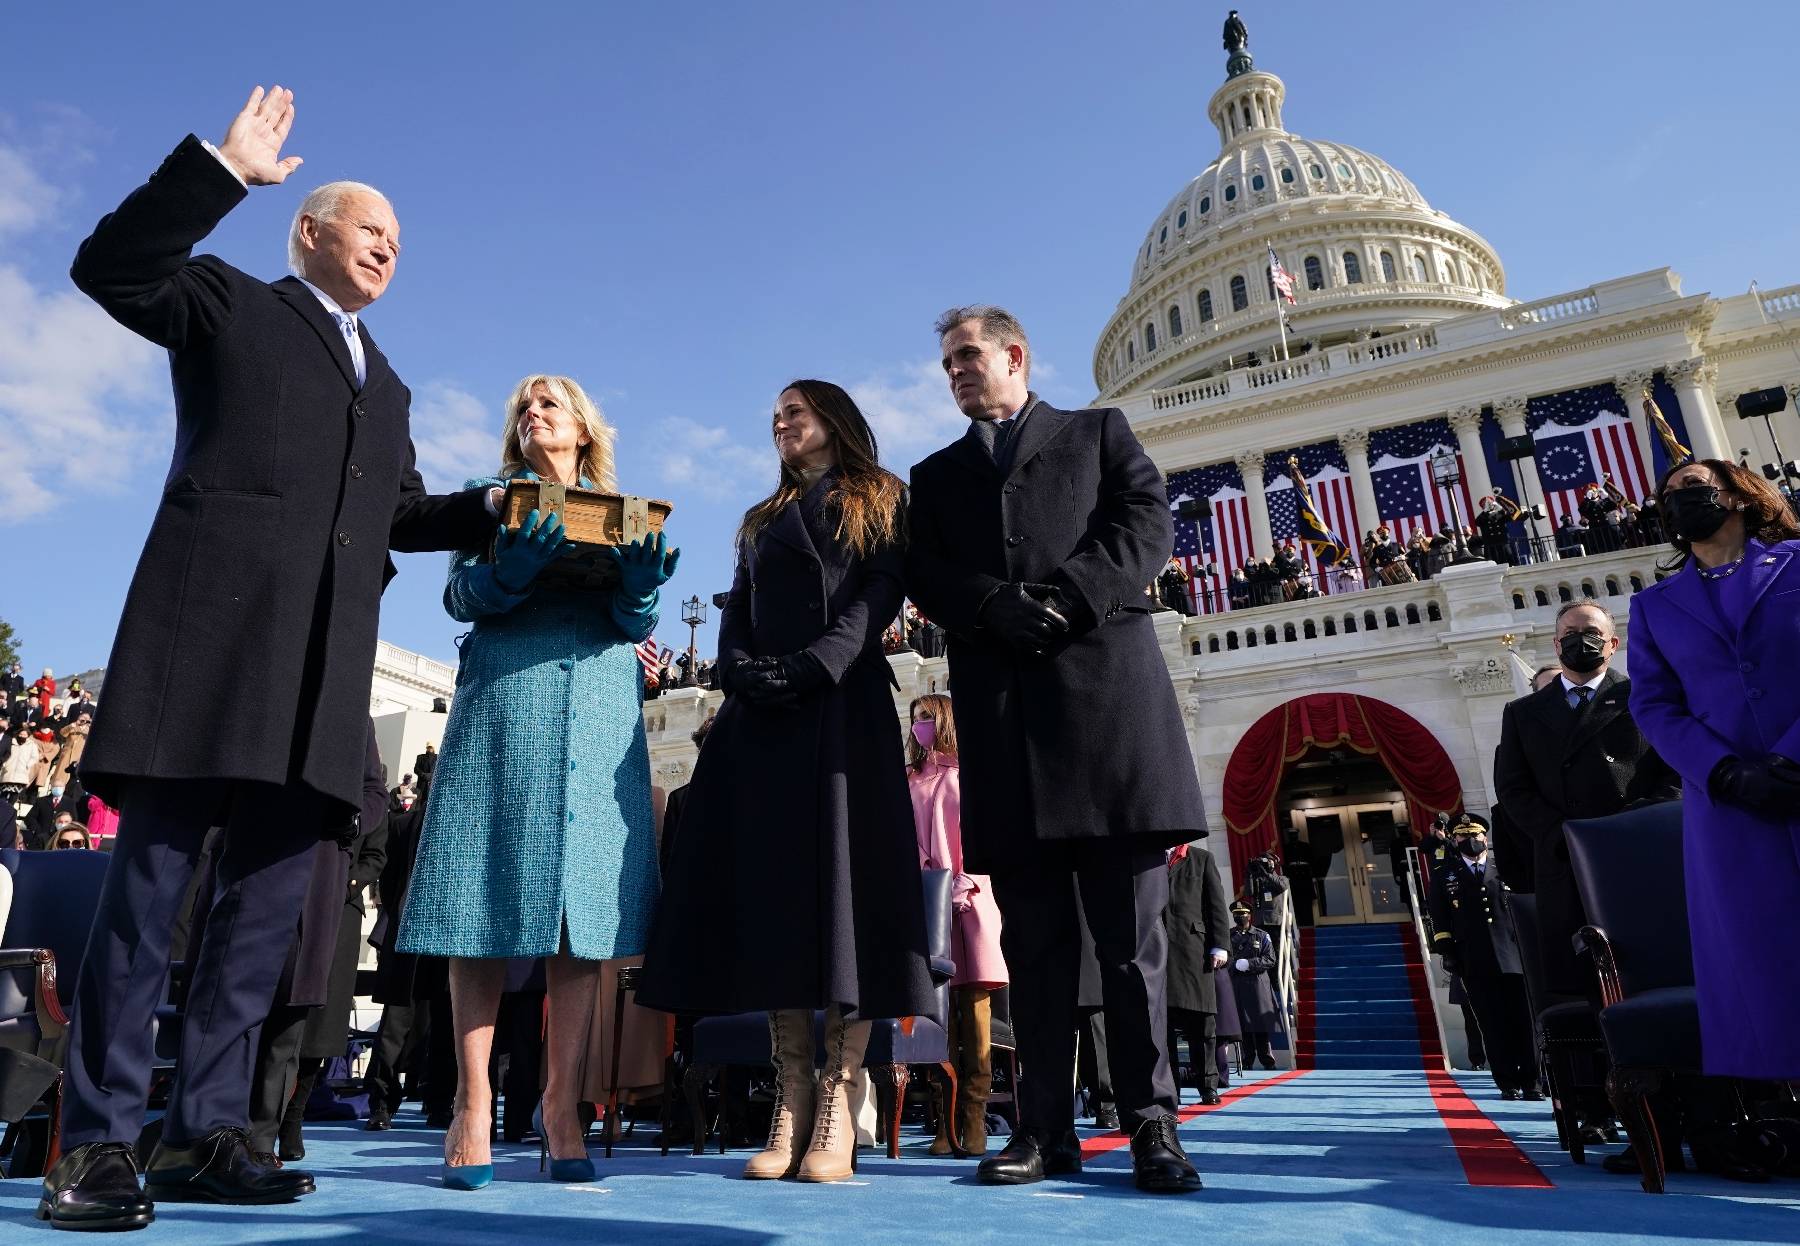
<point>1252,963</point>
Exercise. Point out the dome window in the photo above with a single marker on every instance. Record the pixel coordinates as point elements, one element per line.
<point>1205,204</point>
<point>1181,221</point>
<point>1315,273</point>
<point>1318,170</point>
<point>1174,323</point>
<point>1230,192</point>
<point>1344,170</point>
<point>1206,312</point>
<point>1352,269</point>
<point>1131,352</point>
<point>1420,272</point>
<point>1287,176</point>
<point>1149,338</point>
<point>1258,182</point>
<point>1164,237</point>
<point>1387,266</point>
<point>1240,298</point>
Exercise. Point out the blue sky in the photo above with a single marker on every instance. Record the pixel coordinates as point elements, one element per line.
<point>686,206</point>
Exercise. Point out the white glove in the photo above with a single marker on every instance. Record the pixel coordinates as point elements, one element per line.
<point>1241,965</point>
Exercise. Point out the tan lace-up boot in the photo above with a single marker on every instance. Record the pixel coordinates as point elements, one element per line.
<point>832,1154</point>
<point>790,1126</point>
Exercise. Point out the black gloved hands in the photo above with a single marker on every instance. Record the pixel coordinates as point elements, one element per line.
<point>1024,616</point>
<point>777,682</point>
<point>1769,786</point>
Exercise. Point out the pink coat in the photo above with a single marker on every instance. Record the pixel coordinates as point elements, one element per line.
<point>103,819</point>
<point>937,817</point>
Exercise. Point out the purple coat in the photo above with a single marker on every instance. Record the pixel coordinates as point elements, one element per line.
<point>1713,675</point>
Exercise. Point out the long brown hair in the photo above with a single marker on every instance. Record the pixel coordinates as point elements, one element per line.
<point>1766,513</point>
<point>937,706</point>
<point>866,498</point>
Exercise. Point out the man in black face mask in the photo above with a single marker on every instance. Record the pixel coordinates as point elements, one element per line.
<point>1571,750</point>
<point>1473,932</point>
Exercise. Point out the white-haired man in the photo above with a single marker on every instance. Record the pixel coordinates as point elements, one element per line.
<point>238,685</point>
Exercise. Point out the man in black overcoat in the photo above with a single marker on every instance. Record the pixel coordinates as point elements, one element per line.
<point>1032,538</point>
<point>1571,750</point>
<point>238,688</point>
<point>1472,930</point>
<point>1198,921</point>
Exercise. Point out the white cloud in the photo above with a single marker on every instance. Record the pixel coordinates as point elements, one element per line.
<point>455,434</point>
<point>707,459</point>
<point>26,199</point>
<point>911,411</point>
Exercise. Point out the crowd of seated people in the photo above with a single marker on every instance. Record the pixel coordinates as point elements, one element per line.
<point>42,734</point>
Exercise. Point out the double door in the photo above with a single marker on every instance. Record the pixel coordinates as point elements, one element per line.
<point>1364,879</point>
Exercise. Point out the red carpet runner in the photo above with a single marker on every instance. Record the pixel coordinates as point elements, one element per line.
<point>1100,1144</point>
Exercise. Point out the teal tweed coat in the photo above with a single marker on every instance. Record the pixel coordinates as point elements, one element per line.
<point>539,811</point>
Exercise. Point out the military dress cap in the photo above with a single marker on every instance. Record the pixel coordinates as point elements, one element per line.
<point>1469,824</point>
<point>1240,907</point>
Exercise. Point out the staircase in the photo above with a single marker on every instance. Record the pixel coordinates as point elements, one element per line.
<point>1363,1000</point>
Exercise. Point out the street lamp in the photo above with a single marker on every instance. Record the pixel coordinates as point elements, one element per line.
<point>693,613</point>
<point>1447,473</point>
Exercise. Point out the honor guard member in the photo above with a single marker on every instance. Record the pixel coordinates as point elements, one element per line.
<point>1252,963</point>
<point>1473,932</point>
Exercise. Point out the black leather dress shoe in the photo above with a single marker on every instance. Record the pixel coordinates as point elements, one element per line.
<point>379,1118</point>
<point>1534,1095</point>
<point>1158,1164</point>
<point>1210,1097</point>
<point>1106,1116</point>
<point>220,1168</point>
<point>95,1186</point>
<point>1031,1155</point>
<point>1511,1095</point>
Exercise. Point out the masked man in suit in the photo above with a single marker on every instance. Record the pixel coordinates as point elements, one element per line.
<point>1571,750</point>
<point>1032,538</point>
<point>238,686</point>
<point>1198,920</point>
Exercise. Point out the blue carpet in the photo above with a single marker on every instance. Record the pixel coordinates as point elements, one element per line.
<point>1331,1156</point>
<point>1360,999</point>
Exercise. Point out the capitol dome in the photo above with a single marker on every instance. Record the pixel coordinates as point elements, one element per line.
<point>1367,253</point>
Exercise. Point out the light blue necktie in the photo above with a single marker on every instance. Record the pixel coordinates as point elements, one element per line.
<point>353,340</point>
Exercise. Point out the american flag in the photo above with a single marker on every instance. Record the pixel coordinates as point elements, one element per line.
<point>648,655</point>
<point>1406,496</point>
<point>1223,540</point>
<point>1282,279</point>
<point>1579,434</point>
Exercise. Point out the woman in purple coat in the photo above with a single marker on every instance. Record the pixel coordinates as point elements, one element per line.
<point>1715,688</point>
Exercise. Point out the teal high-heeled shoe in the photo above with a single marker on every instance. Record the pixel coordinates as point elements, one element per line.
<point>566,1170</point>
<point>467,1176</point>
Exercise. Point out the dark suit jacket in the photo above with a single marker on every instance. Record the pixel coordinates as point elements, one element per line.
<point>1469,910</point>
<point>1551,768</point>
<point>248,635</point>
<point>1087,741</point>
<point>1197,920</point>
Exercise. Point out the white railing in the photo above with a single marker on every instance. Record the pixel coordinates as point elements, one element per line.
<point>1287,977</point>
<point>393,660</point>
<point>1782,302</point>
<point>1192,393</point>
<point>1435,977</point>
<point>1318,624</point>
<point>1551,310</point>
<point>1306,367</point>
<point>1380,349</point>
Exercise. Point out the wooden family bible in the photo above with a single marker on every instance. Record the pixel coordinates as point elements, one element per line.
<point>592,521</point>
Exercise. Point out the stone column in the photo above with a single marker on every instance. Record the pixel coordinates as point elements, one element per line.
<point>1355,443</point>
<point>1250,465</point>
<point>1693,380</point>
<point>1465,422</point>
<point>1631,387</point>
<point>1510,412</point>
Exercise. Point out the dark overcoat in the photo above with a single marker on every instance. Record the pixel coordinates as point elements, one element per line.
<point>1086,742</point>
<point>1714,676</point>
<point>1468,911</point>
<point>247,642</point>
<point>1197,921</point>
<point>1257,1010</point>
<point>794,880</point>
<point>402,978</point>
<point>1554,764</point>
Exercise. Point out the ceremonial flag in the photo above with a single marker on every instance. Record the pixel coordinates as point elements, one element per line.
<point>647,655</point>
<point>1333,504</point>
<point>1282,279</point>
<point>1677,452</point>
<point>1328,547</point>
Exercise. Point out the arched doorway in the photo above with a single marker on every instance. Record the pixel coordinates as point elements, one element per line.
<point>1337,784</point>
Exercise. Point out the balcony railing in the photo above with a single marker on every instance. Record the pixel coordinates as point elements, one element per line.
<point>1300,370</point>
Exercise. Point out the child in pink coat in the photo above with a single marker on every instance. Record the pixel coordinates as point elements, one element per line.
<point>975,937</point>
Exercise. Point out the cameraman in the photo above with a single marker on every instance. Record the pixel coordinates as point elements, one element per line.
<point>1265,888</point>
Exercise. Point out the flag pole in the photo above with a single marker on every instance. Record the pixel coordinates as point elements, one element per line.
<point>1281,321</point>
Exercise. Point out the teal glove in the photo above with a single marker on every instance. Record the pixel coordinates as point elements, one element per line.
<point>520,553</point>
<point>644,565</point>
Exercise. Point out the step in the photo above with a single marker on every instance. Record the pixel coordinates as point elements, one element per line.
<point>1369,1008</point>
<point>1369,1046</point>
<point>1397,1028</point>
<point>1357,934</point>
<point>1361,973</point>
<point>1360,956</point>
<point>1338,1060</point>
<point>1358,992</point>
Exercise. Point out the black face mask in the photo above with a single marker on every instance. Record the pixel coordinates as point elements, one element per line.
<point>1581,652</point>
<point>1472,847</point>
<point>1693,512</point>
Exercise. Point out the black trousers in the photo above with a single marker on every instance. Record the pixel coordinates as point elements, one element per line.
<point>396,1040</point>
<point>277,1072</point>
<point>1499,1003</point>
<point>1122,891</point>
<point>263,870</point>
<point>1200,1029</point>
<point>1092,1069</point>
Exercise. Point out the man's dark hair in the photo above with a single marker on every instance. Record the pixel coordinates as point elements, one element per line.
<point>1591,603</point>
<point>998,326</point>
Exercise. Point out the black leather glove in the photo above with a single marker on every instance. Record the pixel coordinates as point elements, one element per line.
<point>1021,620</point>
<point>803,671</point>
<point>1766,785</point>
<point>760,681</point>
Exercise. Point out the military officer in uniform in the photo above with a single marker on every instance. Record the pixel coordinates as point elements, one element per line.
<point>1474,934</point>
<point>1252,963</point>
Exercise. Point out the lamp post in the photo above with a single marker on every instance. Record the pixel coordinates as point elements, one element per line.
<point>1447,473</point>
<point>693,613</point>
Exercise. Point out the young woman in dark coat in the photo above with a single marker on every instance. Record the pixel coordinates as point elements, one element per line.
<point>794,884</point>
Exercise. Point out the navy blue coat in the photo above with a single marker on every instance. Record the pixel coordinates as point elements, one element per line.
<point>1086,742</point>
<point>247,642</point>
<point>1713,675</point>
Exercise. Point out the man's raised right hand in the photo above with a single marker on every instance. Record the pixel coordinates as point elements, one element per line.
<point>252,145</point>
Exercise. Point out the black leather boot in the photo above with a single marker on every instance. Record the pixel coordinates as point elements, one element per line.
<point>1158,1164</point>
<point>95,1186</point>
<point>219,1168</point>
<point>1031,1155</point>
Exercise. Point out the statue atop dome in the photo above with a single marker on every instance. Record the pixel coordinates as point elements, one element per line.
<point>1237,40</point>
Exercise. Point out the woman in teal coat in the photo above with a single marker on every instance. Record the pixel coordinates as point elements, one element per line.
<point>539,839</point>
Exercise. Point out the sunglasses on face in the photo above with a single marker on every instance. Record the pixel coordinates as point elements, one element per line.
<point>71,842</point>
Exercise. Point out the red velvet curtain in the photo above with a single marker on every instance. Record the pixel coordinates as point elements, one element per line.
<point>1330,720</point>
